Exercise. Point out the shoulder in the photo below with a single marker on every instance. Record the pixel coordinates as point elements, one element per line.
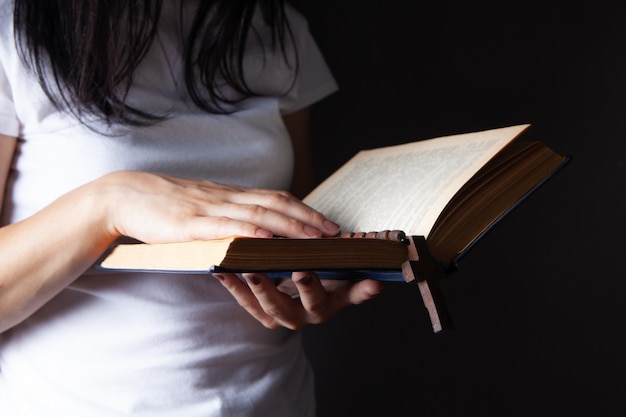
<point>6,26</point>
<point>298,24</point>
<point>6,12</point>
<point>295,17</point>
<point>6,15</point>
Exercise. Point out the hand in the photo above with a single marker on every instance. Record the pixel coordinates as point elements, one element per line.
<point>313,301</point>
<point>158,208</point>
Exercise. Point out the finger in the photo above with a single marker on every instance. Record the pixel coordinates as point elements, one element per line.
<point>364,290</point>
<point>277,305</point>
<point>287,206</point>
<point>276,211</point>
<point>246,299</point>
<point>280,222</point>
<point>314,298</point>
<point>352,292</point>
<point>208,227</point>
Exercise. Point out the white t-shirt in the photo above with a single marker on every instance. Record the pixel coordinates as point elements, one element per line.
<point>150,344</point>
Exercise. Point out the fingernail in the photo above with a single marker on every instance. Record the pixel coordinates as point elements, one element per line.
<point>219,276</point>
<point>305,279</point>
<point>252,279</point>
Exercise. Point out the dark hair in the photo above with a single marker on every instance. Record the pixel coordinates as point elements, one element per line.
<point>84,53</point>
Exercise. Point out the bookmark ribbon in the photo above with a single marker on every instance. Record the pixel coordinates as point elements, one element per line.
<point>423,269</point>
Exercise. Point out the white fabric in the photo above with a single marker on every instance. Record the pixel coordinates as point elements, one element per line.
<point>149,344</point>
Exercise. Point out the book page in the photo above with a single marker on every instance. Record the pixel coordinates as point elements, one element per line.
<point>406,187</point>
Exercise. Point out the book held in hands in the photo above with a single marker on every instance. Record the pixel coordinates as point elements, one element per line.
<point>444,194</point>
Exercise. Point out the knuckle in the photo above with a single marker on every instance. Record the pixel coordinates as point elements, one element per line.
<point>246,304</point>
<point>273,311</point>
<point>317,308</point>
<point>220,221</point>
<point>282,195</point>
<point>213,226</point>
<point>315,216</point>
<point>323,316</point>
<point>279,197</point>
<point>225,226</point>
<point>294,223</point>
<point>255,210</point>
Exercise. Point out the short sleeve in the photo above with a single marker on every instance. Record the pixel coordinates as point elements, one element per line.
<point>9,124</point>
<point>314,79</point>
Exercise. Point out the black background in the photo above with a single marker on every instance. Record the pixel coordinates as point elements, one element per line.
<point>539,306</point>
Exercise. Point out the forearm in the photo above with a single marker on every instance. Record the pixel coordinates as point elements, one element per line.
<point>44,253</point>
<point>41,255</point>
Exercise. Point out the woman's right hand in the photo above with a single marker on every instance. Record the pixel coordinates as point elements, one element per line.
<point>158,208</point>
<point>148,207</point>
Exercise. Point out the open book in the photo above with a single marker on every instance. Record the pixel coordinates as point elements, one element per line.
<point>445,194</point>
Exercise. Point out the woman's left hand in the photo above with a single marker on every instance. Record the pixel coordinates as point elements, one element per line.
<point>308,301</point>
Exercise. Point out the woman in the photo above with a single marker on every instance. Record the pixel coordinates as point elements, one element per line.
<point>160,121</point>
